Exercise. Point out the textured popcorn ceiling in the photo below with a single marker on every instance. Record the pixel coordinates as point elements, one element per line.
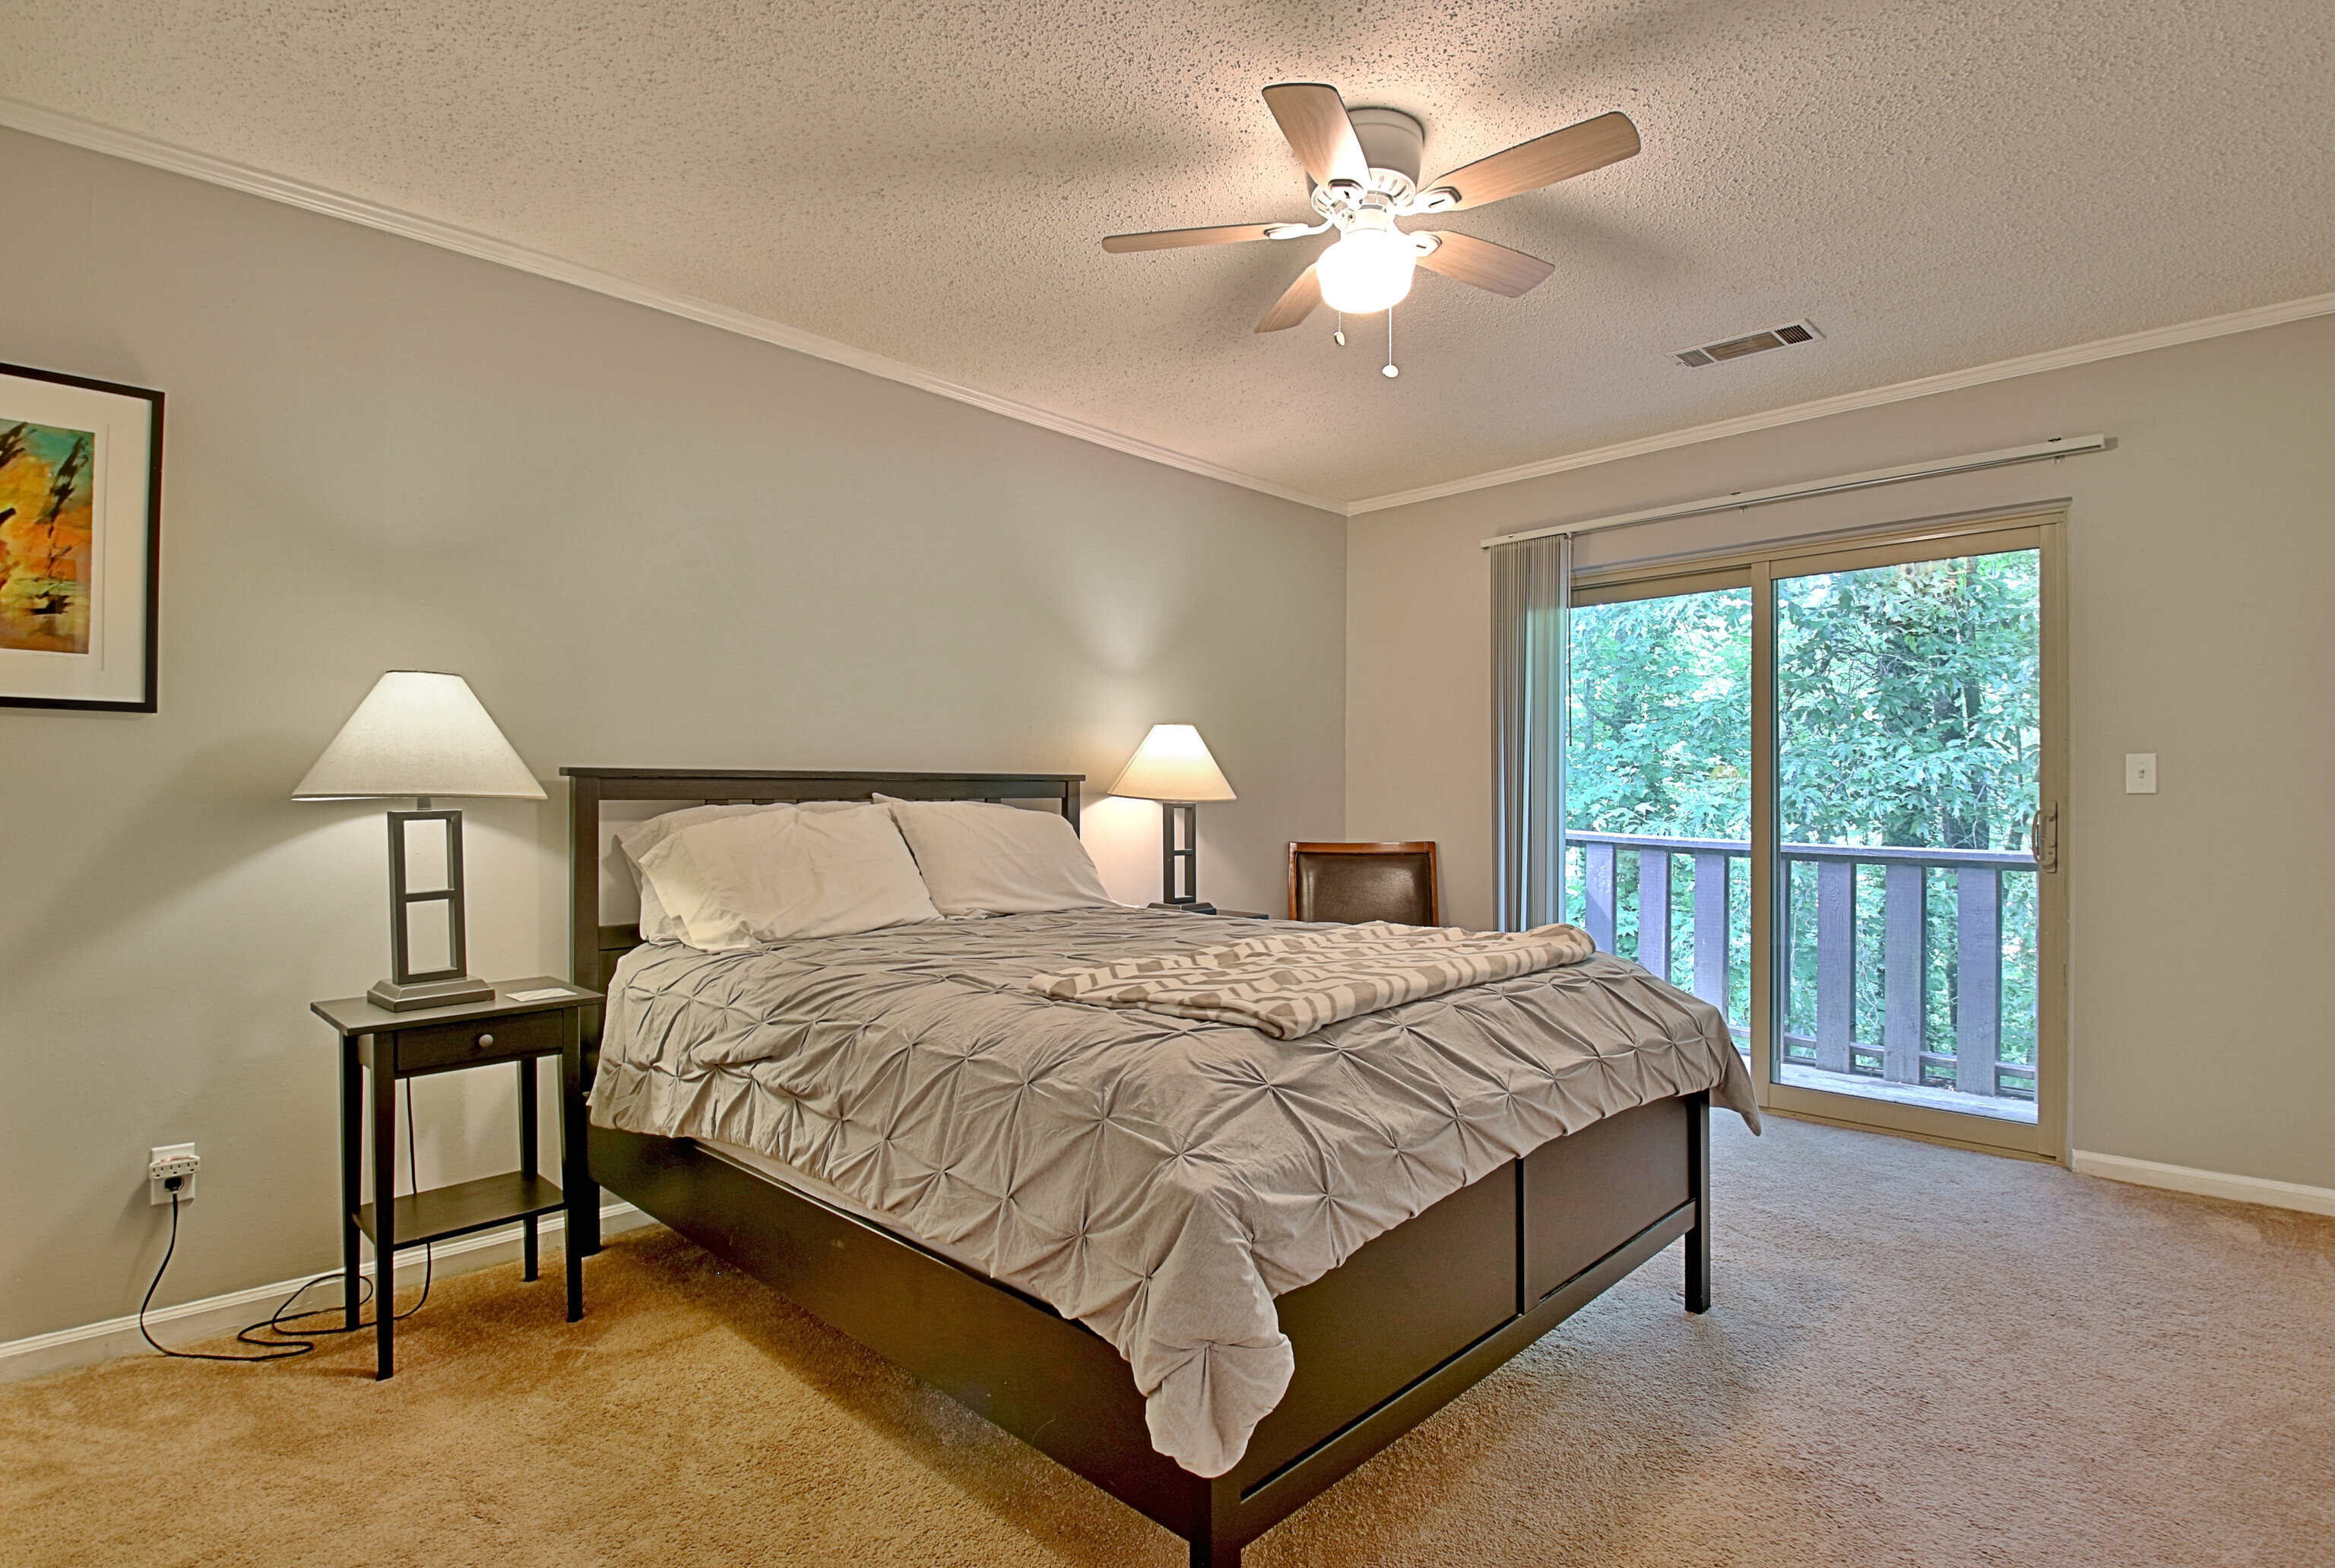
<point>1936,183</point>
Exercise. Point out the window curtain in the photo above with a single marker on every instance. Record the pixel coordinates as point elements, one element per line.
<point>1531,631</point>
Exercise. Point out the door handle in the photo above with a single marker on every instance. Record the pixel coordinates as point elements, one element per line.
<point>2043,837</point>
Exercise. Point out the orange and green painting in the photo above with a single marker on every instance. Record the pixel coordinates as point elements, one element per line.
<point>46,529</point>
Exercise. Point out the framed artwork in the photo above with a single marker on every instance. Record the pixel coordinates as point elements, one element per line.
<point>81,533</point>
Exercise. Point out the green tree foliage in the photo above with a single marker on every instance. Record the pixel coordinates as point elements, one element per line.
<point>1661,717</point>
<point>1909,704</point>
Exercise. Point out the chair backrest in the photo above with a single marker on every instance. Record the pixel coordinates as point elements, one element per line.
<point>1352,883</point>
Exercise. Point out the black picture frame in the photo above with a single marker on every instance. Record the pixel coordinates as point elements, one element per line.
<point>19,689</point>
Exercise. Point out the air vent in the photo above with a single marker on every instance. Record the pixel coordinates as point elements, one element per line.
<point>1749,343</point>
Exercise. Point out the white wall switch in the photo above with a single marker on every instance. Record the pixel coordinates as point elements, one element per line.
<point>2140,772</point>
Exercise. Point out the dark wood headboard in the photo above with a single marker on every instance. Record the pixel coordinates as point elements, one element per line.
<point>594,948</point>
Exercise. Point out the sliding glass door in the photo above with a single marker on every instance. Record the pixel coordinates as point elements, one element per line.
<point>1818,789</point>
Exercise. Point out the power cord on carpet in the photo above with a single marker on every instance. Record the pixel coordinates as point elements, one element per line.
<point>276,1322</point>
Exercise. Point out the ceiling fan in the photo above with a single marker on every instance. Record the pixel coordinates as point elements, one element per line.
<point>1363,169</point>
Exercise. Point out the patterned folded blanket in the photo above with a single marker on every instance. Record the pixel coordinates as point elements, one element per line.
<point>1289,985</point>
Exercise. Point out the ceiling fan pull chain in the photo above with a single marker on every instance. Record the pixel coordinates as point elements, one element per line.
<point>1339,336</point>
<point>1390,372</point>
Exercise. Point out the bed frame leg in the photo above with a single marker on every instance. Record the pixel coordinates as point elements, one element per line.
<point>1698,1167</point>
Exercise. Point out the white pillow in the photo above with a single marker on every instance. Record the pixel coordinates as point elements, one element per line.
<point>656,925</point>
<point>982,859</point>
<point>785,872</point>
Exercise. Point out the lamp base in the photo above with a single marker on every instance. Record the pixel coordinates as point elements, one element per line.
<point>395,998</point>
<point>1179,853</point>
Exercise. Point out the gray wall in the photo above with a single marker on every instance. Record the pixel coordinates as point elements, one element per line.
<point>644,542</point>
<point>2201,555</point>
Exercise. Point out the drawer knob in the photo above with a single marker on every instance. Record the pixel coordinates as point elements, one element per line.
<point>485,1040</point>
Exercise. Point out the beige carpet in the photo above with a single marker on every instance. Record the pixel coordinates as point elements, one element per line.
<point>1919,1357</point>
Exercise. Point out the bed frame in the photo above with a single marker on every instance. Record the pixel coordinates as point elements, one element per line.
<point>1402,1328</point>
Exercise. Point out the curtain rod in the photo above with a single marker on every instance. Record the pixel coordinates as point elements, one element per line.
<point>2056,447</point>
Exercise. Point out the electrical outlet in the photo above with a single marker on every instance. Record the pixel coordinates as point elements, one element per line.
<point>178,1159</point>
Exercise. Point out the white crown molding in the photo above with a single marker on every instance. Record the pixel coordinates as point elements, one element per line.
<point>2211,1183</point>
<point>1951,381</point>
<point>190,1322</point>
<point>18,115</point>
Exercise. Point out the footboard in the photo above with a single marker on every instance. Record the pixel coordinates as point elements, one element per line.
<point>1404,1326</point>
<point>1418,1315</point>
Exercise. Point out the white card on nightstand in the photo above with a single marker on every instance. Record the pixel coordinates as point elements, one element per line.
<point>537,995</point>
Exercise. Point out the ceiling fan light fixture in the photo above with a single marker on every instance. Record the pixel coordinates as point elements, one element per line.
<point>1362,170</point>
<point>1368,271</point>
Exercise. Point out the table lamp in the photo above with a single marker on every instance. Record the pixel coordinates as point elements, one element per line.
<point>425,735</point>
<point>1173,767</point>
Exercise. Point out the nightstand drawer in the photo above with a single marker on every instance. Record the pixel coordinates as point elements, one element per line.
<point>487,1040</point>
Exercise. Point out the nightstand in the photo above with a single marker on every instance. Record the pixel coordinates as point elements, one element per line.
<point>1212,909</point>
<point>526,1020</point>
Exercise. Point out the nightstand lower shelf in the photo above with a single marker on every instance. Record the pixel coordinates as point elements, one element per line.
<point>466,1206</point>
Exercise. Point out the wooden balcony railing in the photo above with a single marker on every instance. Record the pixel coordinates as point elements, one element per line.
<point>1974,1065</point>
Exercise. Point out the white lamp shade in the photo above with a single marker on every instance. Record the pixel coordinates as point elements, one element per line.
<point>1173,764</point>
<point>418,733</point>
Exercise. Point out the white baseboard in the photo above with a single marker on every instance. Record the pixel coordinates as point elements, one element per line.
<point>2211,1183</point>
<point>191,1321</point>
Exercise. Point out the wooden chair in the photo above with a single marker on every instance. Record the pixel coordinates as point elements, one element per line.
<point>1352,883</point>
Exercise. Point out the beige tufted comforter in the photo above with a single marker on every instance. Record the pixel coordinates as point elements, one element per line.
<point>1158,1178</point>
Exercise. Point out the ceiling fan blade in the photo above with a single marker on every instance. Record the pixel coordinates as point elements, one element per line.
<point>1487,265</point>
<point>1294,305</point>
<point>1171,238</point>
<point>1543,160</point>
<point>1314,118</point>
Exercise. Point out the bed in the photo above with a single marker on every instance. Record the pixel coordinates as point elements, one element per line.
<point>1370,1320</point>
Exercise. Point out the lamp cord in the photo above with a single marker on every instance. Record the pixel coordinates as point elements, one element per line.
<point>277,1322</point>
